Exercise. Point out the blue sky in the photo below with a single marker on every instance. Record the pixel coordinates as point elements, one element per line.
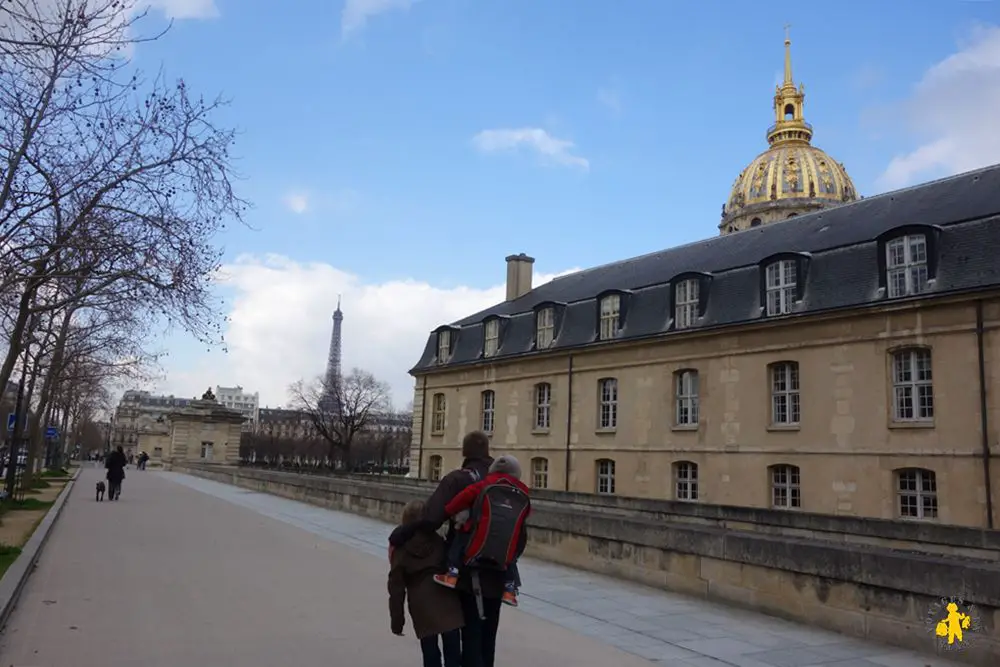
<point>358,145</point>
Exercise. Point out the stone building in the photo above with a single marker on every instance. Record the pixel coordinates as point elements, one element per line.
<point>244,402</point>
<point>845,361</point>
<point>201,431</point>
<point>138,414</point>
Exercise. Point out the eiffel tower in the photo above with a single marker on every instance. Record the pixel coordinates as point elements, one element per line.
<point>330,402</point>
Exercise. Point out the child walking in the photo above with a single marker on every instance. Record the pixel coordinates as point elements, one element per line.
<point>434,611</point>
<point>504,470</point>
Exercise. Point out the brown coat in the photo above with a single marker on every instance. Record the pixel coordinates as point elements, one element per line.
<point>434,609</point>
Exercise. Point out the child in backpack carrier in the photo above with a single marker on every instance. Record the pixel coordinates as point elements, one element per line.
<point>493,536</point>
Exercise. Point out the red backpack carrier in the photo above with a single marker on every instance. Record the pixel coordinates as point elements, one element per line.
<point>497,518</point>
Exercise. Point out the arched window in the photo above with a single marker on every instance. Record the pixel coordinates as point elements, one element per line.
<point>780,286</point>
<point>439,409</point>
<point>755,222</point>
<point>685,480</point>
<point>686,398</point>
<point>916,490</point>
<point>434,465</point>
<point>785,403</point>
<point>610,316</point>
<point>489,402</point>
<point>605,476</point>
<point>540,473</point>
<point>906,268</point>
<point>491,337</point>
<point>543,406</point>
<point>785,490</point>
<point>607,396</point>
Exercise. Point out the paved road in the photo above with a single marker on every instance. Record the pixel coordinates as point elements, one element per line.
<point>183,571</point>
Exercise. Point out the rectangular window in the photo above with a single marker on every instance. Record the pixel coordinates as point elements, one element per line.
<point>610,316</point>
<point>435,468</point>
<point>540,473</point>
<point>785,490</point>
<point>491,338</point>
<point>207,450</point>
<point>608,413</point>
<point>912,386</point>
<point>917,491</point>
<point>437,423</point>
<point>489,405</point>
<point>686,393</point>
<point>543,405</point>
<point>444,346</point>
<point>686,303</point>
<point>906,265</point>
<point>780,287</point>
<point>785,393</point>
<point>606,476</point>
<point>545,325</point>
<point>686,480</point>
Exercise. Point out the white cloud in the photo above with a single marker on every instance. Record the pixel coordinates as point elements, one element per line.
<point>953,112</point>
<point>281,318</point>
<point>356,13</point>
<point>610,99</point>
<point>186,9</point>
<point>558,151</point>
<point>297,202</point>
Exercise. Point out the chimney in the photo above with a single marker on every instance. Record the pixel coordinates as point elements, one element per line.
<point>518,275</point>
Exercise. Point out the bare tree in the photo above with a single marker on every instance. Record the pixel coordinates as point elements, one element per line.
<point>340,412</point>
<point>114,183</point>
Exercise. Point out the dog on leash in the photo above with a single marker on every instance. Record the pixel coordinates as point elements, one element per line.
<point>100,491</point>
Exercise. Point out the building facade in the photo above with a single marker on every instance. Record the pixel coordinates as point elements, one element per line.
<point>845,361</point>
<point>857,378</point>
<point>247,404</point>
<point>141,413</point>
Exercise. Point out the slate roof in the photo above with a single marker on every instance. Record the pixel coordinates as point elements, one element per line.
<point>844,269</point>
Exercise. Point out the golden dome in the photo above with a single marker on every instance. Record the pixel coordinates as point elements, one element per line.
<point>790,177</point>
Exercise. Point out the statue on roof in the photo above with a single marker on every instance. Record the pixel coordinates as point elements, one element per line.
<point>208,395</point>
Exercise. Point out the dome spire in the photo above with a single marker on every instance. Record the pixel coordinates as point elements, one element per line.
<point>790,126</point>
<point>788,56</point>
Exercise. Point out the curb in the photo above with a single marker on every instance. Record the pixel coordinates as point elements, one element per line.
<point>17,574</point>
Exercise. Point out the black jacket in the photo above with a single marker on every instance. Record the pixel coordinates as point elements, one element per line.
<point>115,463</point>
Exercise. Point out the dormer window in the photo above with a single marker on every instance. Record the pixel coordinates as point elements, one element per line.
<point>686,302</point>
<point>545,327</point>
<point>781,286</point>
<point>610,316</point>
<point>443,345</point>
<point>491,337</point>
<point>906,265</point>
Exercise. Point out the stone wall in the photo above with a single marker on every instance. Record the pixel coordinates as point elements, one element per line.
<point>866,578</point>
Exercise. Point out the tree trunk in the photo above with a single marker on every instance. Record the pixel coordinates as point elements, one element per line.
<point>47,394</point>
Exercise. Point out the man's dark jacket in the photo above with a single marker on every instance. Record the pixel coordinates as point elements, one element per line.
<point>491,581</point>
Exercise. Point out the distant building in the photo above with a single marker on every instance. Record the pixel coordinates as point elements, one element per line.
<point>245,403</point>
<point>140,412</point>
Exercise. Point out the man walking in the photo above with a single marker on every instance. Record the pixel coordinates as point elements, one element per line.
<point>479,636</point>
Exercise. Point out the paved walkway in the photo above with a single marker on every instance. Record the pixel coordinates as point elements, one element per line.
<point>184,571</point>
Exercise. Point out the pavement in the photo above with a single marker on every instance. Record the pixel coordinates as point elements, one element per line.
<point>185,571</point>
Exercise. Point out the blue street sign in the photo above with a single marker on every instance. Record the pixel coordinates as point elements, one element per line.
<point>11,418</point>
<point>52,433</point>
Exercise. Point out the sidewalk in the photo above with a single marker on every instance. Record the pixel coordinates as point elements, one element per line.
<point>171,577</point>
<point>665,628</point>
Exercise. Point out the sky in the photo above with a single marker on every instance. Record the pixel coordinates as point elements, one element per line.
<point>396,151</point>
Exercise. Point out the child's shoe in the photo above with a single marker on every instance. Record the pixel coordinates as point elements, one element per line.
<point>449,579</point>
<point>510,596</point>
